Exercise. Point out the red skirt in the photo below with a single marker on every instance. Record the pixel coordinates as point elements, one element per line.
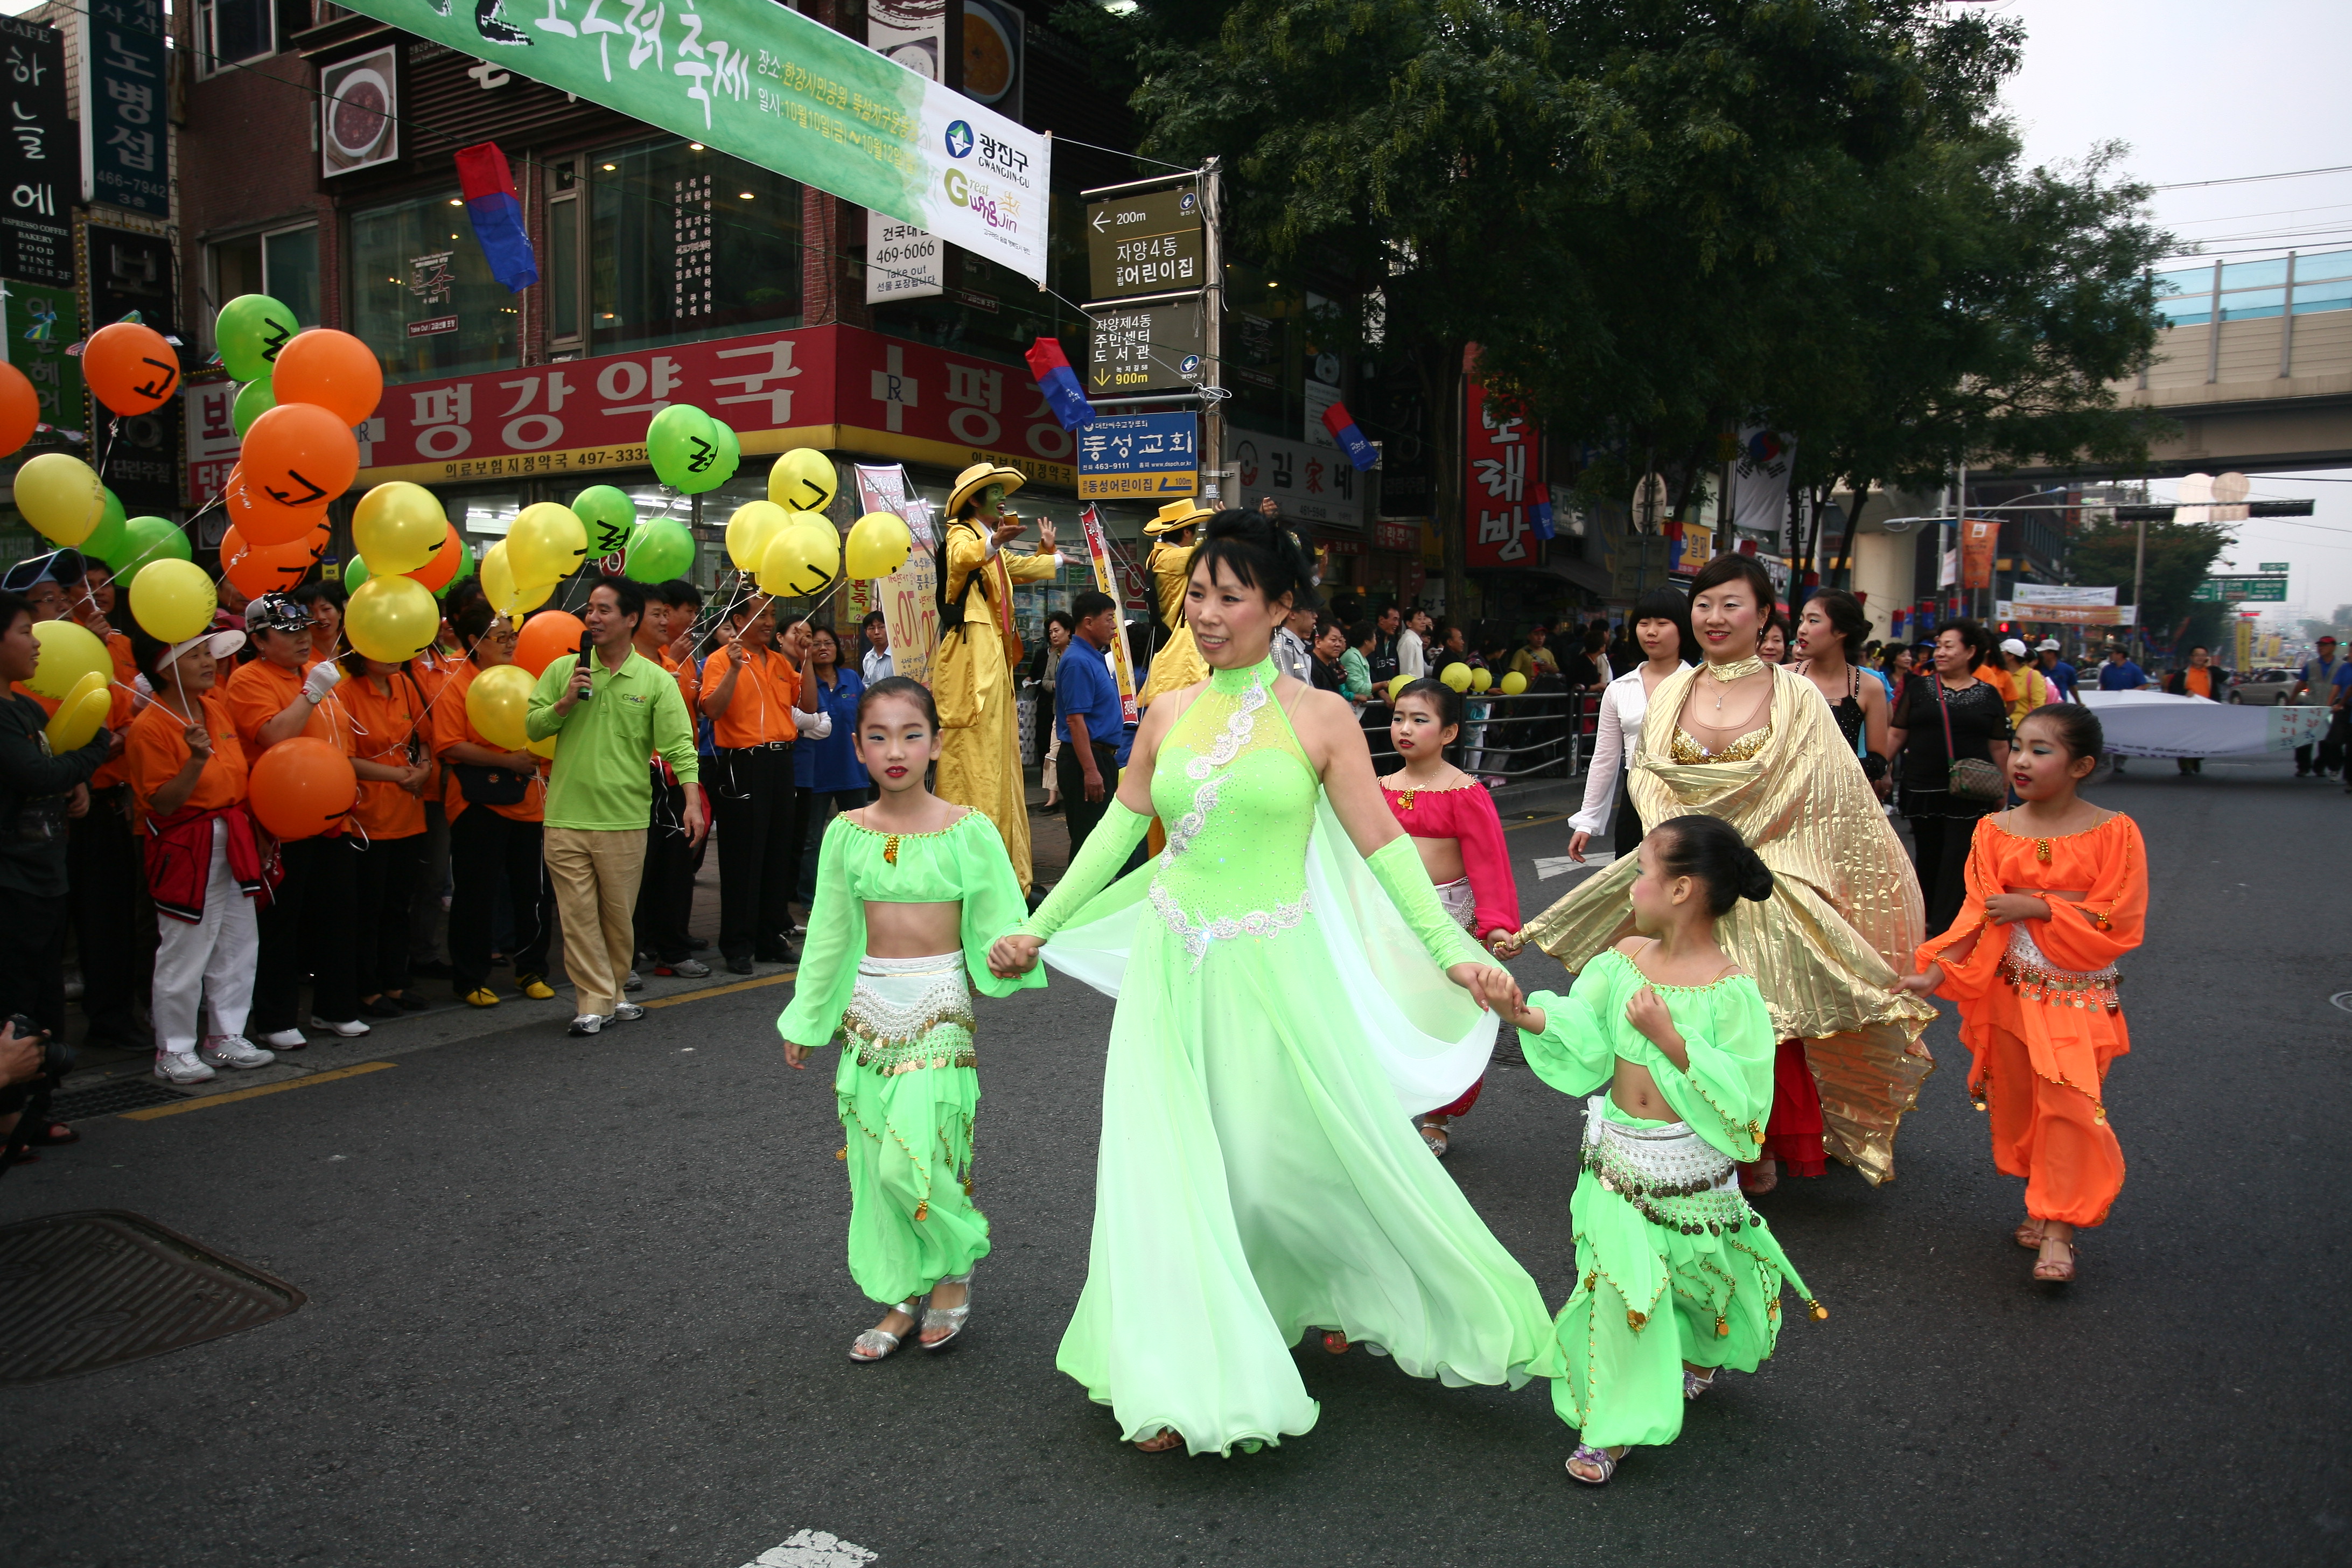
<point>1793,1134</point>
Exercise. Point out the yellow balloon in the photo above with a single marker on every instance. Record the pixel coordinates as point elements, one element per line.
<point>506,596</point>
<point>173,599</point>
<point>79,716</point>
<point>802,562</point>
<point>535,595</point>
<point>60,496</point>
<point>545,746</point>
<point>877,546</point>
<point>391,618</point>
<point>67,653</point>
<point>804,480</point>
<point>1456,675</point>
<point>498,704</point>
<point>397,527</point>
<point>1512,684</point>
<point>1397,683</point>
<point>1481,678</point>
<point>750,531</point>
<point>546,542</point>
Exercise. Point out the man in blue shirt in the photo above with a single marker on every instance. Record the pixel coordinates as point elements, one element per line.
<point>2119,673</point>
<point>1088,717</point>
<point>2322,683</point>
<point>2056,669</point>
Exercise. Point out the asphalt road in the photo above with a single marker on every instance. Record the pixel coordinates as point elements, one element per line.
<point>583,1302</point>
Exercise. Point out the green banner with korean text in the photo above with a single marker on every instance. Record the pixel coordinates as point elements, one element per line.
<point>773,87</point>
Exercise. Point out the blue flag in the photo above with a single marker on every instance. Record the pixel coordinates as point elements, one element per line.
<point>492,203</point>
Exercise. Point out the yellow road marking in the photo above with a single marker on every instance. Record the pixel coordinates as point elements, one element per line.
<point>719,990</point>
<point>1536,822</point>
<point>202,1102</point>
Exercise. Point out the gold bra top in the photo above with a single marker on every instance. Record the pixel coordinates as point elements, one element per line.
<point>1688,751</point>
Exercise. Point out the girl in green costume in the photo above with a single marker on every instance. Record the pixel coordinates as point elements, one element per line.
<point>1683,1041</point>
<point>1283,973</point>
<point>910,890</point>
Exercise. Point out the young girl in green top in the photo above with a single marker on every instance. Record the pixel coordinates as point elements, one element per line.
<point>1680,1038</point>
<point>911,891</point>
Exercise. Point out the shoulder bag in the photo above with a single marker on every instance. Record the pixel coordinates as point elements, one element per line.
<point>1971,779</point>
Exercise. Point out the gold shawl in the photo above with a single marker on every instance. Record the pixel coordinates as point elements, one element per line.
<point>1844,920</point>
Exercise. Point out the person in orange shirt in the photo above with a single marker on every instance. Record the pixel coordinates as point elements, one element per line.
<point>187,773</point>
<point>666,896</point>
<point>386,743</point>
<point>2057,891</point>
<point>324,602</point>
<point>432,669</point>
<point>748,692</point>
<point>307,925</point>
<point>2197,678</point>
<point>497,801</point>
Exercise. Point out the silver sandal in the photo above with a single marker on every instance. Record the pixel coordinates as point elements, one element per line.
<point>951,1319</point>
<point>1694,1386</point>
<point>875,1343</point>
<point>1600,1459</point>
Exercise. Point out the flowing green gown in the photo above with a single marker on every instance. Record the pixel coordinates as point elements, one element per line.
<point>1256,1177</point>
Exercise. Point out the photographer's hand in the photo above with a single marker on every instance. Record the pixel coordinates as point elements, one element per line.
<point>20,1055</point>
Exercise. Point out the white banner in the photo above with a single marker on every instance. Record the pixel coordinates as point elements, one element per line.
<point>2065,614</point>
<point>908,597</point>
<point>2158,724</point>
<point>2053,594</point>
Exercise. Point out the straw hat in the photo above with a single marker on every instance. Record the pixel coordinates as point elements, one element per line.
<point>1175,515</point>
<point>978,477</point>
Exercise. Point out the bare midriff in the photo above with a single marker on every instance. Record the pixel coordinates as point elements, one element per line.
<point>1635,1093</point>
<point>1441,857</point>
<point>913,930</point>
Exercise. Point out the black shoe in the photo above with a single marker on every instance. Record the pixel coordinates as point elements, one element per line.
<point>739,965</point>
<point>699,943</point>
<point>381,1007</point>
<point>410,1002</point>
<point>777,955</point>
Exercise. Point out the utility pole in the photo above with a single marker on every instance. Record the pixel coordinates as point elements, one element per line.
<point>2139,580</point>
<point>1212,303</point>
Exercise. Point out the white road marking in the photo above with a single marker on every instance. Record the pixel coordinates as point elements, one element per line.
<point>813,1549</point>
<point>1550,866</point>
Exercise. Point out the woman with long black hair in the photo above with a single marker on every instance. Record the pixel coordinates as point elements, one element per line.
<point>1953,731</point>
<point>1662,626</point>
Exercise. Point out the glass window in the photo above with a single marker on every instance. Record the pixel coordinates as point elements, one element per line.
<point>289,271</point>
<point>2335,264</point>
<point>686,243</point>
<point>2254,274</point>
<point>422,294</point>
<point>236,30</point>
<point>2249,303</point>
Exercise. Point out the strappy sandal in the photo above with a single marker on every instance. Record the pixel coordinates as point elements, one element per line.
<point>951,1319</point>
<point>1759,1176</point>
<point>1167,1442</point>
<point>2029,1234</point>
<point>1693,1385</point>
<point>1600,1459</point>
<point>1435,1138</point>
<point>874,1344</point>
<point>2053,1270</point>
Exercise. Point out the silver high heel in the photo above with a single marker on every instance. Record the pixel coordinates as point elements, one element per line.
<point>951,1319</point>
<point>1693,1385</point>
<point>875,1343</point>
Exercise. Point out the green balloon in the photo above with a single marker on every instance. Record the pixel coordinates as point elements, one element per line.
<point>250,331</point>
<point>662,550</point>
<point>355,574</point>
<point>683,444</point>
<point>464,570</point>
<point>106,541</point>
<point>730,450</point>
<point>254,399</point>
<point>149,539</point>
<point>610,515</point>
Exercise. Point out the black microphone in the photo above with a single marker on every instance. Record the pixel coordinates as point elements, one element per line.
<point>587,647</point>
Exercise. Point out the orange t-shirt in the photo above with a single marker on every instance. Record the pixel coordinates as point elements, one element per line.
<point>126,667</point>
<point>2197,682</point>
<point>158,748</point>
<point>761,712</point>
<point>380,728</point>
<point>260,690</point>
<point>450,726</point>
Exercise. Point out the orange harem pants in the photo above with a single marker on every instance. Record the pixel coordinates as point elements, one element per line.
<point>2054,1136</point>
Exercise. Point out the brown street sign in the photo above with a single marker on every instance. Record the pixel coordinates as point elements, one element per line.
<point>1146,243</point>
<point>1145,348</point>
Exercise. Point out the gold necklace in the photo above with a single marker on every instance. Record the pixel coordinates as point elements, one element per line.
<point>1731,670</point>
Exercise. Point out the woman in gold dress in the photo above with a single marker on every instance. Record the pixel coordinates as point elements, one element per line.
<point>1178,664</point>
<point>1755,744</point>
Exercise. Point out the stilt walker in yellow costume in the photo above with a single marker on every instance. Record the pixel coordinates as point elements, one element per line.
<point>1178,664</point>
<point>980,755</point>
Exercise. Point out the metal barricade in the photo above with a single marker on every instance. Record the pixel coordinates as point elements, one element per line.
<point>1536,734</point>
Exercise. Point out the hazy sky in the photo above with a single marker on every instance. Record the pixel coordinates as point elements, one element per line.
<point>2202,91</point>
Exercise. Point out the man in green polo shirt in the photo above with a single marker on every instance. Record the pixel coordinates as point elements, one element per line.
<point>612,713</point>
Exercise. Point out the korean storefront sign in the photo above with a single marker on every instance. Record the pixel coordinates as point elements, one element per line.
<point>211,438</point>
<point>1310,484</point>
<point>1138,457</point>
<point>902,262</point>
<point>1145,348</point>
<point>1147,242</point>
<point>43,322</point>
<point>1978,536</point>
<point>783,91</point>
<point>1499,463</point>
<point>40,159</point>
<point>124,109</point>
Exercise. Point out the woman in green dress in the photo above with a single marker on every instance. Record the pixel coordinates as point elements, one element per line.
<point>1290,993</point>
<point>911,891</point>
<point>1676,1276</point>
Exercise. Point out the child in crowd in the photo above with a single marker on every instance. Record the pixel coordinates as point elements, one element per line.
<point>911,892</point>
<point>2060,887</point>
<point>1682,1039</point>
<point>1453,823</point>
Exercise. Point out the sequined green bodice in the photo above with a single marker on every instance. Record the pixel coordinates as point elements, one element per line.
<point>1238,795</point>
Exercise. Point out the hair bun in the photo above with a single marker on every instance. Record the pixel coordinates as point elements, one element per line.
<point>1755,877</point>
<point>1266,553</point>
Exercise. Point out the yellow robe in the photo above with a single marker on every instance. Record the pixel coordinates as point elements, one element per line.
<point>1841,926</point>
<point>971,681</point>
<point>1178,664</point>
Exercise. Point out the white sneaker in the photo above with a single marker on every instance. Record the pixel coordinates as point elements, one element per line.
<point>633,983</point>
<point>350,1029</point>
<point>627,1013</point>
<point>233,1051</point>
<point>587,1024</point>
<point>173,1067</point>
<point>285,1040</point>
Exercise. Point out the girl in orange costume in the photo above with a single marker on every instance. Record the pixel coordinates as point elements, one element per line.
<point>2066,885</point>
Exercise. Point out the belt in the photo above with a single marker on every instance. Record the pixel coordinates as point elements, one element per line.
<point>762,746</point>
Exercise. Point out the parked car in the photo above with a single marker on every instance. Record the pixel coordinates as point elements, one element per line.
<point>2261,688</point>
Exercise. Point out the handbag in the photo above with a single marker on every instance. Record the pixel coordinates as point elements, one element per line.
<point>1971,778</point>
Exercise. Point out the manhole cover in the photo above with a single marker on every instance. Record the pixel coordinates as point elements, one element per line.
<point>2343,999</point>
<point>80,1291</point>
<point>111,1098</point>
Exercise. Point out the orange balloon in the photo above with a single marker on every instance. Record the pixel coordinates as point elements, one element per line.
<point>299,455</point>
<point>547,637</point>
<point>258,569</point>
<point>333,370</point>
<point>263,520</point>
<point>130,368</point>
<point>302,788</point>
<point>435,574</point>
<point>20,409</point>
